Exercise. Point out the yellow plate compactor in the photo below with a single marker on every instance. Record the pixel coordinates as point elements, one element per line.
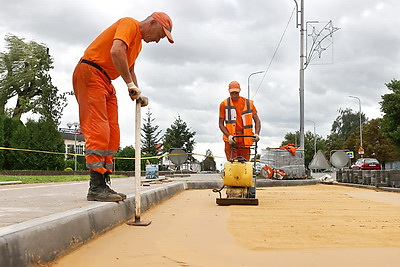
<point>239,181</point>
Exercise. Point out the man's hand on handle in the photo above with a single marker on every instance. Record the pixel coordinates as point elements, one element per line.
<point>144,101</point>
<point>231,140</point>
<point>134,92</point>
<point>256,138</point>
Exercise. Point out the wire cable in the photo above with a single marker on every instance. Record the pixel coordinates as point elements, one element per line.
<point>275,52</point>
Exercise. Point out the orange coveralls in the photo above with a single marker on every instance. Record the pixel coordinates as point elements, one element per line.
<point>240,150</point>
<point>96,96</point>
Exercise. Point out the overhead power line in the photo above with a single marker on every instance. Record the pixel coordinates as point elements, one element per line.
<point>276,50</point>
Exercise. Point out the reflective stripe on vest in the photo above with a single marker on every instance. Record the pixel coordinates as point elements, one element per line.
<point>247,118</point>
<point>230,112</point>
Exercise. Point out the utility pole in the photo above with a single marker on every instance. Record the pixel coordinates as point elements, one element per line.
<point>300,11</point>
<point>317,41</point>
<point>301,79</point>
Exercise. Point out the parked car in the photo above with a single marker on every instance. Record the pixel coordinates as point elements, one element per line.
<point>366,164</point>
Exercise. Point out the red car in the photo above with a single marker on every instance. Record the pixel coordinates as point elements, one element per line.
<point>366,164</point>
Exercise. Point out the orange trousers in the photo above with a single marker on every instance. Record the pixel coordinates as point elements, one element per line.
<point>238,150</point>
<point>98,116</point>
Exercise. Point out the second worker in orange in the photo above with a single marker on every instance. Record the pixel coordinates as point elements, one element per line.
<point>236,116</point>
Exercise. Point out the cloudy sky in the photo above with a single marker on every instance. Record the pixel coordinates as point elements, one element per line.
<point>217,41</point>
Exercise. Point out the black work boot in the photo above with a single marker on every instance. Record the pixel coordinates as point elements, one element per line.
<point>97,192</point>
<point>106,182</point>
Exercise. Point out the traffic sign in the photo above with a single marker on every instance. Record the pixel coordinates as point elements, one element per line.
<point>350,154</point>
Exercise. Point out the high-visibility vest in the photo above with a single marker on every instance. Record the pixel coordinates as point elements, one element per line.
<point>247,118</point>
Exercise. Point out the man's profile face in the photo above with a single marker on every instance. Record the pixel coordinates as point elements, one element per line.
<point>155,33</point>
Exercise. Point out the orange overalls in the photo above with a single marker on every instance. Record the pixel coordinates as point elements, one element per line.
<point>96,96</point>
<point>238,125</point>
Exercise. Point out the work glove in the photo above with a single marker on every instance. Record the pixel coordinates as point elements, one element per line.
<point>144,101</point>
<point>134,92</point>
<point>231,140</point>
<point>256,138</point>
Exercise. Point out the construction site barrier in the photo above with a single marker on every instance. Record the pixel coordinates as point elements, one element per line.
<point>82,155</point>
<point>378,178</point>
<point>128,173</point>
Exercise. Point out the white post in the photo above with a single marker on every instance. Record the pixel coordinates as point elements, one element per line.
<point>359,111</point>
<point>137,221</point>
<point>137,162</point>
<point>76,125</point>
<point>75,149</point>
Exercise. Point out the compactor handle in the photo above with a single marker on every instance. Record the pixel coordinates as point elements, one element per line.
<point>252,136</point>
<point>234,137</point>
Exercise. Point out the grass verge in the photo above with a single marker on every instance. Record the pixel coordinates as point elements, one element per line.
<point>25,179</point>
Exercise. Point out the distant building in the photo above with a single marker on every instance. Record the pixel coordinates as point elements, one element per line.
<point>73,141</point>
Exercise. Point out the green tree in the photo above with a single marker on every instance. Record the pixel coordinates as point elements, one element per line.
<point>333,142</point>
<point>179,136</point>
<point>41,136</point>
<point>24,74</point>
<point>375,144</point>
<point>347,122</point>
<point>151,139</point>
<point>291,138</point>
<point>343,126</point>
<point>208,164</point>
<point>10,128</point>
<point>125,164</point>
<point>391,109</point>
<point>2,152</point>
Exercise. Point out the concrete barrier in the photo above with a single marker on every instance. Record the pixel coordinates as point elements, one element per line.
<point>367,178</point>
<point>394,178</point>
<point>339,177</point>
<point>378,178</point>
<point>345,176</point>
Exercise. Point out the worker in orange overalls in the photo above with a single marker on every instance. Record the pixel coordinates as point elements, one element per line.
<point>112,54</point>
<point>236,116</point>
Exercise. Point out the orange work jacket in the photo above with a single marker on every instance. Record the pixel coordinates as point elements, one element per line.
<point>247,118</point>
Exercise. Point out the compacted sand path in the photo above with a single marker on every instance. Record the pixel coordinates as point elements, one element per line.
<point>316,225</point>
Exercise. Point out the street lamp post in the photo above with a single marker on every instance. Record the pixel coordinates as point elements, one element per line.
<point>76,126</point>
<point>359,111</point>
<point>248,82</point>
<point>315,139</point>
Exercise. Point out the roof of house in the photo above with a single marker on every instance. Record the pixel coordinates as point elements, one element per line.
<point>71,136</point>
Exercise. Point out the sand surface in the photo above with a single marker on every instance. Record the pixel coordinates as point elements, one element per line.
<point>317,225</point>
